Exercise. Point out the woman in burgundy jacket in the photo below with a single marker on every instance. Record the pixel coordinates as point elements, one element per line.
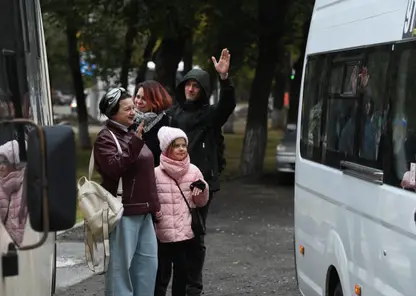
<point>133,247</point>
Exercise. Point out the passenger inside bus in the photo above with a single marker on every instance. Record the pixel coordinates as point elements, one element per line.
<point>368,143</point>
<point>404,124</point>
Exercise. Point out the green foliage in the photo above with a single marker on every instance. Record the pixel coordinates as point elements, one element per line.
<point>231,24</point>
<point>299,12</point>
<point>214,24</point>
<point>56,46</point>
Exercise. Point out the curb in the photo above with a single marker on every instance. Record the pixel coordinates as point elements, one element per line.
<point>77,225</point>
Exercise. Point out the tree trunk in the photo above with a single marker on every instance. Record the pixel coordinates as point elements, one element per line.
<point>74,65</point>
<point>128,51</point>
<point>278,93</point>
<point>281,85</point>
<point>167,59</point>
<point>188,56</point>
<point>146,57</point>
<point>271,29</point>
<point>297,82</point>
<point>132,10</point>
<point>254,145</point>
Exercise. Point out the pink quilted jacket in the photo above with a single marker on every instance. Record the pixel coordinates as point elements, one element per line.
<point>11,213</point>
<point>175,223</point>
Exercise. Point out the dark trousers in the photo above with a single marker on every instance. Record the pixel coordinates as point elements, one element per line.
<point>195,256</point>
<point>172,254</point>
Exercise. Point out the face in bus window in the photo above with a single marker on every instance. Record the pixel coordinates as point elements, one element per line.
<point>364,77</point>
<point>359,76</point>
<point>369,107</point>
<point>6,109</point>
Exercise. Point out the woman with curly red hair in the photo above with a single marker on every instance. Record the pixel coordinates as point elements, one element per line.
<point>152,100</point>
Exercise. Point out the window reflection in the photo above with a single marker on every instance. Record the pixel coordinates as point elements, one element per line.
<point>404,123</point>
<point>13,211</point>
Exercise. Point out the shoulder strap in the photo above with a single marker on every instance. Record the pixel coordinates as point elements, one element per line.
<point>91,164</point>
<point>183,195</point>
<point>120,181</point>
<point>117,142</point>
<point>91,245</point>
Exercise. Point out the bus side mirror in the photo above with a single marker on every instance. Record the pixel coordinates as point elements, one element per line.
<point>38,175</point>
<point>51,191</point>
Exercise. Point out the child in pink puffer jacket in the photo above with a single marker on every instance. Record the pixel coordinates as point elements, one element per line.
<point>173,227</point>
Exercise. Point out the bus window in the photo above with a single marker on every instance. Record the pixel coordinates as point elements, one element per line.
<point>374,77</point>
<point>355,112</point>
<point>335,84</point>
<point>310,141</point>
<point>341,111</point>
<point>14,103</point>
<point>349,86</point>
<point>404,121</point>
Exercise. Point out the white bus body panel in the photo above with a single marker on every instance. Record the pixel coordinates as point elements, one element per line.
<point>366,231</point>
<point>35,266</point>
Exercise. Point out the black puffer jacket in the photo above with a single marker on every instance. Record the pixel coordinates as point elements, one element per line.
<point>202,123</point>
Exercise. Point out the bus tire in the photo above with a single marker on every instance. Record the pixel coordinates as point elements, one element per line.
<point>338,290</point>
<point>53,288</point>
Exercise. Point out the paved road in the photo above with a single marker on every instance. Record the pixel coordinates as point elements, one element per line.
<point>62,110</point>
<point>93,129</point>
<point>250,246</point>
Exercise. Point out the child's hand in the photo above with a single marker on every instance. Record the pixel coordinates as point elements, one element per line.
<point>196,191</point>
<point>159,215</point>
<point>198,184</point>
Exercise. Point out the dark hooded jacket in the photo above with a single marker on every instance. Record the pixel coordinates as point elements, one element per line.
<point>202,123</point>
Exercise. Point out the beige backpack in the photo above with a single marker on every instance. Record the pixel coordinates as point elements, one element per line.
<point>101,212</point>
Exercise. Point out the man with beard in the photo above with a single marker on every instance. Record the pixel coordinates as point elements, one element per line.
<point>202,123</point>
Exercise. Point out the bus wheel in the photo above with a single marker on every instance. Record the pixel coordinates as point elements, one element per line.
<point>53,288</point>
<point>338,290</point>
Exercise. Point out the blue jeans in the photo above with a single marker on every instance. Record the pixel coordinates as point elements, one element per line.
<point>133,258</point>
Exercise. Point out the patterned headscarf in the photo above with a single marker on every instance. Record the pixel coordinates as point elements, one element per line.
<point>111,98</point>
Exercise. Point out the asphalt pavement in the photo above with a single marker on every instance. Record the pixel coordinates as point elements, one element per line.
<point>249,246</point>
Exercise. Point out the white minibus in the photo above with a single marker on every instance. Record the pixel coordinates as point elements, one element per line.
<point>355,200</point>
<point>37,159</point>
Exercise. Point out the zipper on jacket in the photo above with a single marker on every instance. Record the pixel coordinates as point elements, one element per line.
<point>132,188</point>
<point>203,145</point>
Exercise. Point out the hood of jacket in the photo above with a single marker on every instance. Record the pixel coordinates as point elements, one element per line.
<point>202,77</point>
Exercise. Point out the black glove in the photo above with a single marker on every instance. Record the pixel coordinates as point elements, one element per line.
<point>198,184</point>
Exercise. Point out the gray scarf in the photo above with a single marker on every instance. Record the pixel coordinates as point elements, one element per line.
<point>150,119</point>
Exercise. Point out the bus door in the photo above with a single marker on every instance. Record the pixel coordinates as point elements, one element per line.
<point>352,132</point>
<point>397,204</point>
